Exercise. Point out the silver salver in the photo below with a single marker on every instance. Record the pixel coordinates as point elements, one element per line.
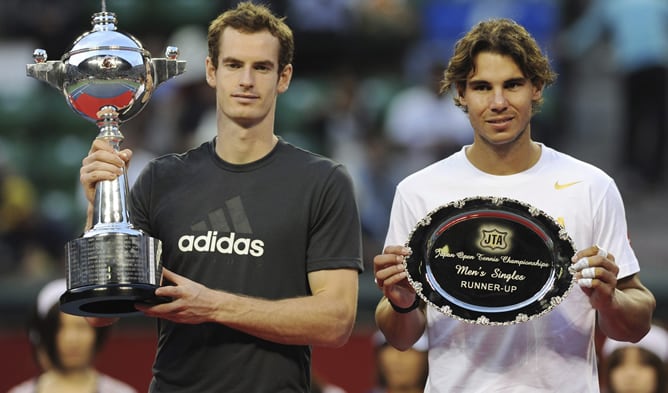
<point>490,261</point>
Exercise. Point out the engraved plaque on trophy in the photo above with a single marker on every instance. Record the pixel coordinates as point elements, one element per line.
<point>108,77</point>
<point>490,261</point>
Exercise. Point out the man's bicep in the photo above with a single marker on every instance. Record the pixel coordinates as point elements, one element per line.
<point>335,282</point>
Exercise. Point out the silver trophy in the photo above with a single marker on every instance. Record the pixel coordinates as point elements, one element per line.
<point>107,77</point>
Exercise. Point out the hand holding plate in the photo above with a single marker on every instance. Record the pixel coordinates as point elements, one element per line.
<point>490,261</point>
<point>391,277</point>
<point>595,272</point>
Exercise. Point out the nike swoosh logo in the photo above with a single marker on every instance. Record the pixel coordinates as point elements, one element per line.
<point>558,186</point>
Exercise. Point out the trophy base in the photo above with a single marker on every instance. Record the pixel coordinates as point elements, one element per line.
<point>108,301</point>
<point>107,274</point>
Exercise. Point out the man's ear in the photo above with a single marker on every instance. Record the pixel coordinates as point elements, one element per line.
<point>210,68</point>
<point>284,79</point>
<point>537,92</point>
<point>461,97</point>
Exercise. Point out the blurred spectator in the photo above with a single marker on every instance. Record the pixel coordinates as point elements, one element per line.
<point>400,371</point>
<point>344,125</point>
<point>347,127</point>
<point>656,341</point>
<point>53,24</point>
<point>637,368</point>
<point>320,15</point>
<point>424,124</point>
<point>181,103</point>
<point>64,347</point>
<point>638,32</point>
<point>386,17</point>
<point>30,244</point>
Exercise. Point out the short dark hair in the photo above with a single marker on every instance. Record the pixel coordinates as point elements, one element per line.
<point>505,37</point>
<point>252,18</point>
<point>42,331</point>
<point>649,358</point>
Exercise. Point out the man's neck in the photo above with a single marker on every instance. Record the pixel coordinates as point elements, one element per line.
<point>243,149</point>
<point>504,160</point>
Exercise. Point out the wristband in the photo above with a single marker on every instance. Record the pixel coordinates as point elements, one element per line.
<point>406,310</point>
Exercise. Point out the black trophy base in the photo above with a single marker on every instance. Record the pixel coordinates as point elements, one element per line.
<point>108,300</point>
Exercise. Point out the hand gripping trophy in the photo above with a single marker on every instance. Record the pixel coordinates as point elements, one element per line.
<point>107,77</point>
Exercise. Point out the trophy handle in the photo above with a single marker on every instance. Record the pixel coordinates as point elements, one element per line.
<point>168,67</point>
<point>51,72</point>
<point>110,212</point>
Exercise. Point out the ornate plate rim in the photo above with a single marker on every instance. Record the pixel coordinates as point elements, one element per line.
<point>495,202</point>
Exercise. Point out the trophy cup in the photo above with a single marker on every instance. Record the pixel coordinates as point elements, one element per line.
<point>107,77</point>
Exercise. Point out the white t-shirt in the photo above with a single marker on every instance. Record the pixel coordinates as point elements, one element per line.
<point>551,353</point>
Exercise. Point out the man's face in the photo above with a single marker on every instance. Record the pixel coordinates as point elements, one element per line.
<point>247,79</point>
<point>499,99</point>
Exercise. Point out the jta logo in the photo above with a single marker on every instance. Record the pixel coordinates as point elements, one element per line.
<point>494,239</point>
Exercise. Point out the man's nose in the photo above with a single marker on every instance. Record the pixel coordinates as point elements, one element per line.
<point>247,78</point>
<point>499,100</point>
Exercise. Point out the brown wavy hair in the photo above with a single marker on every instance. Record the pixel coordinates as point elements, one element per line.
<point>504,37</point>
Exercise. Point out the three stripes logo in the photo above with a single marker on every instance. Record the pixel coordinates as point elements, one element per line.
<point>228,221</point>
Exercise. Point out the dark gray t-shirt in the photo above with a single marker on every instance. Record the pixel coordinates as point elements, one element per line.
<point>254,229</point>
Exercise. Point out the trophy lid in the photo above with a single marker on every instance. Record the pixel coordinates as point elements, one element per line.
<point>106,68</point>
<point>104,35</point>
<point>107,76</point>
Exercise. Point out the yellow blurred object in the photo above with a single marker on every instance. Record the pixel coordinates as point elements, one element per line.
<point>17,201</point>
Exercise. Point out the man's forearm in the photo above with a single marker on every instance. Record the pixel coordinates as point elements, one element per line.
<point>400,330</point>
<point>309,320</point>
<point>630,318</point>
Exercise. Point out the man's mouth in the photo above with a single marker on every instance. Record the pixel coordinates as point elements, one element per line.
<point>500,120</point>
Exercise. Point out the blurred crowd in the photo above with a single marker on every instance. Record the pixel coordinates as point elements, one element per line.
<point>365,93</point>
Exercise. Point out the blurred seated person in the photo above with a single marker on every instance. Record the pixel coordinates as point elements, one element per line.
<point>639,367</point>
<point>400,371</point>
<point>64,347</point>
<point>425,125</point>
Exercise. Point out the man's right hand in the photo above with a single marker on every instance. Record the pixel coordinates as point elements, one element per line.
<point>391,277</point>
<point>102,163</point>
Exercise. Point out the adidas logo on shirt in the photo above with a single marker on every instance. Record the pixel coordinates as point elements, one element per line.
<point>230,244</point>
